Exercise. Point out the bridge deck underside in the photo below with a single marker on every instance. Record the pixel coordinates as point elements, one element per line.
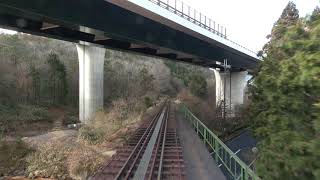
<point>106,24</point>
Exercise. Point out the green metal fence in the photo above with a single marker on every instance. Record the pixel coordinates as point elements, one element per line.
<point>235,167</point>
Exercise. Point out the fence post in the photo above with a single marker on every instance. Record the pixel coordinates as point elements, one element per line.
<point>205,135</point>
<point>216,151</point>
<point>197,128</point>
<point>175,6</point>
<point>244,174</point>
<point>182,8</point>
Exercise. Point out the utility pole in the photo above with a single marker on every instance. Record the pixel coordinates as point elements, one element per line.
<point>226,69</point>
<point>224,87</point>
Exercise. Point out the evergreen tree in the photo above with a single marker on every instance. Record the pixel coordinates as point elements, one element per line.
<point>198,85</point>
<point>289,17</point>
<point>286,101</point>
<point>315,14</point>
<point>146,79</point>
<point>57,80</point>
<point>36,83</point>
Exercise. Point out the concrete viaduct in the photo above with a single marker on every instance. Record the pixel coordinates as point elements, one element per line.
<point>161,28</point>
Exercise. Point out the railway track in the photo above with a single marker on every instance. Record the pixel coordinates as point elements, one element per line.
<point>153,152</point>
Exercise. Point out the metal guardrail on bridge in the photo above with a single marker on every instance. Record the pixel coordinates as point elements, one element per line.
<point>185,11</point>
<point>235,167</point>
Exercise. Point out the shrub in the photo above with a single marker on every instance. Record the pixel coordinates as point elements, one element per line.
<point>32,113</point>
<point>198,85</point>
<point>12,157</point>
<point>48,161</point>
<point>10,117</point>
<point>70,119</point>
<point>147,101</point>
<point>91,135</point>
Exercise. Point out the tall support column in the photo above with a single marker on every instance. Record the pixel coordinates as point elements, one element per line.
<point>91,63</point>
<point>234,84</point>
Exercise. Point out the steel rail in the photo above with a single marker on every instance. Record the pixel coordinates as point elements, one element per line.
<point>163,143</point>
<point>142,168</point>
<point>176,143</point>
<point>156,152</point>
<point>143,140</point>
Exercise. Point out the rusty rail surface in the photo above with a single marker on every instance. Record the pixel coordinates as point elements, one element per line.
<point>166,161</point>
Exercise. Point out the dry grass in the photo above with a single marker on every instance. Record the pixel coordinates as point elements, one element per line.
<point>203,110</point>
<point>12,157</point>
<point>199,107</point>
<point>211,115</point>
<point>65,159</point>
<point>84,162</point>
<point>49,161</point>
<point>112,124</point>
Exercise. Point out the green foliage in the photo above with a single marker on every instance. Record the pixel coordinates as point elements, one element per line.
<point>91,135</point>
<point>289,17</point>
<point>179,70</point>
<point>285,101</point>
<point>146,79</point>
<point>32,113</point>
<point>10,118</point>
<point>12,156</point>
<point>70,119</point>
<point>36,82</point>
<point>315,16</point>
<point>147,101</point>
<point>127,81</point>
<point>191,76</point>
<point>57,81</point>
<point>198,85</point>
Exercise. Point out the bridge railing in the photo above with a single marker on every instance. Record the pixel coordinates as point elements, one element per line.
<point>187,12</point>
<point>223,156</point>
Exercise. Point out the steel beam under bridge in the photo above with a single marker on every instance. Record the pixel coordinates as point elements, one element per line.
<point>134,25</point>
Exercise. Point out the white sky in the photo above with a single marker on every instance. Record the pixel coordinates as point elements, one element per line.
<point>248,22</point>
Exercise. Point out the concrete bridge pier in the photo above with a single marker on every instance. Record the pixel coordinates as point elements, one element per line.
<point>91,63</point>
<point>234,92</point>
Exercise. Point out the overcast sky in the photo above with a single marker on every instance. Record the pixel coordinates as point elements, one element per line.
<point>248,22</point>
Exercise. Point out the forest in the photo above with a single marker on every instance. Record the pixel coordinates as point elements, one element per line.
<point>39,94</point>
